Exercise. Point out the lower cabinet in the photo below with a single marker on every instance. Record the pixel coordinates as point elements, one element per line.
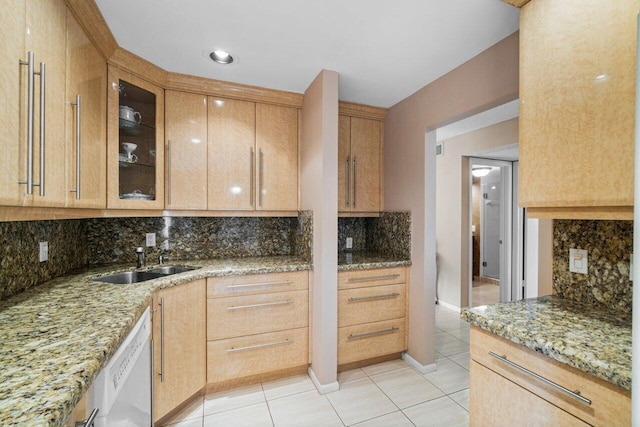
<point>179,342</point>
<point>503,395</point>
<point>372,307</point>
<point>256,324</point>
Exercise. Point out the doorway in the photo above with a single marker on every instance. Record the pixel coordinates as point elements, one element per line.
<point>496,256</point>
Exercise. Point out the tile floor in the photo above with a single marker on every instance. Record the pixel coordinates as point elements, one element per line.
<point>484,294</point>
<point>389,394</point>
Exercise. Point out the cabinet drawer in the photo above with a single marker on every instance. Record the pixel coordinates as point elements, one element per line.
<point>610,404</point>
<point>372,304</point>
<point>375,277</point>
<point>245,356</point>
<point>224,286</point>
<point>255,314</point>
<point>496,401</point>
<point>363,342</point>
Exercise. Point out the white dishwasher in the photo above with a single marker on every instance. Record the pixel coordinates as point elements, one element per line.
<point>122,391</point>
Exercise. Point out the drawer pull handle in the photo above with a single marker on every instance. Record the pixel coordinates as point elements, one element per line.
<point>253,347</point>
<point>372,278</point>
<point>374,333</point>
<point>249,285</point>
<point>268,304</point>
<point>575,394</point>
<point>374,297</point>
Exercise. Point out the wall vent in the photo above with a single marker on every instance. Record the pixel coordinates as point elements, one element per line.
<point>439,149</point>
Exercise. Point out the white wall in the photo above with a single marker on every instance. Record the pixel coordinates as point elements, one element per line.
<point>319,193</point>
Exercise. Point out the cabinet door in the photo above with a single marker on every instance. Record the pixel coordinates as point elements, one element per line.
<point>577,103</point>
<point>277,157</point>
<point>46,37</point>
<point>86,182</point>
<point>135,142</point>
<point>186,133</point>
<point>12,102</point>
<point>496,401</point>
<point>344,164</point>
<point>365,165</point>
<point>179,338</point>
<point>232,135</point>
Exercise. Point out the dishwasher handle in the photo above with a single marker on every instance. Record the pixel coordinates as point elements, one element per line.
<point>89,421</point>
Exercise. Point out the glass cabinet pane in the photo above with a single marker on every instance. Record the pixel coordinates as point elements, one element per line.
<point>137,138</point>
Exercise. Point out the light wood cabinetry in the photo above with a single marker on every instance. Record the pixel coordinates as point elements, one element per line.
<point>232,140</point>
<point>577,108</point>
<point>501,394</point>
<point>277,157</point>
<point>134,182</point>
<point>38,27</point>
<point>372,307</point>
<point>359,164</point>
<point>179,339</point>
<point>253,156</point>
<point>186,150</point>
<point>86,150</point>
<point>256,324</point>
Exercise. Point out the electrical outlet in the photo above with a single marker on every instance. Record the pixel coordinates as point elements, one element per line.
<point>43,253</point>
<point>349,244</point>
<point>151,239</point>
<point>578,261</point>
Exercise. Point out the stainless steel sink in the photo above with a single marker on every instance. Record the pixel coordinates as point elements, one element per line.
<point>129,277</point>
<point>170,269</point>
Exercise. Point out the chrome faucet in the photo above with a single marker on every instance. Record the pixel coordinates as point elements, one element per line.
<point>140,253</point>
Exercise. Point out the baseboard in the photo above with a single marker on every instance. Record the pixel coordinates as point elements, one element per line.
<point>322,388</point>
<point>449,306</point>
<point>423,369</point>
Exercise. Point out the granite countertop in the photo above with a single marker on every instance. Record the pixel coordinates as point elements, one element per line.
<point>366,260</point>
<point>57,337</point>
<point>594,340</point>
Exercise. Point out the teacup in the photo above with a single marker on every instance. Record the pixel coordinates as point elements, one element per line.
<point>128,113</point>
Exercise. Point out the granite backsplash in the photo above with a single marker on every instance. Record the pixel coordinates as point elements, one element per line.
<point>113,240</point>
<point>20,268</point>
<point>388,235</point>
<point>609,245</point>
<point>77,243</point>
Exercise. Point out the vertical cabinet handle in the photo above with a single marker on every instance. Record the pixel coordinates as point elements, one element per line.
<point>30,74</point>
<point>30,122</point>
<point>89,421</point>
<point>168,171</point>
<point>43,85</point>
<point>153,377</point>
<point>260,177</point>
<point>251,177</point>
<point>348,181</point>
<point>355,197</point>
<point>78,144</point>
<point>161,373</point>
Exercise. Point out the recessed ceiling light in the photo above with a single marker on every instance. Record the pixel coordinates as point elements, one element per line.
<point>221,57</point>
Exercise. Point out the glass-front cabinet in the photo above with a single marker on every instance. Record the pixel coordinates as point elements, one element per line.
<point>136,135</point>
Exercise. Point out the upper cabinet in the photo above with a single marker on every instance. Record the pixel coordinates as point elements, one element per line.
<point>253,156</point>
<point>135,152</point>
<point>186,150</point>
<point>577,107</point>
<point>32,113</point>
<point>86,122</point>
<point>359,165</point>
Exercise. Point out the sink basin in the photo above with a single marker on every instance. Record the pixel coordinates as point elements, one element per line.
<point>170,269</point>
<point>129,277</point>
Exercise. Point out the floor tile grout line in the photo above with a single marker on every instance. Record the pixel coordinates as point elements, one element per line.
<point>456,402</point>
<point>333,407</point>
<point>273,423</point>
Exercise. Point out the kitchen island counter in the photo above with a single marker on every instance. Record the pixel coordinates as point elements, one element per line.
<point>592,339</point>
<point>57,337</point>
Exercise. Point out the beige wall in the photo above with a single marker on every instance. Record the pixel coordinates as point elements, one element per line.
<point>488,80</point>
<point>452,206</point>
<point>319,193</point>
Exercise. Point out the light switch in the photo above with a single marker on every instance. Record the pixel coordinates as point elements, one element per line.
<point>578,261</point>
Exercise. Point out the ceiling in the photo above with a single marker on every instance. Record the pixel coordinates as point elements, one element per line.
<point>383,50</point>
